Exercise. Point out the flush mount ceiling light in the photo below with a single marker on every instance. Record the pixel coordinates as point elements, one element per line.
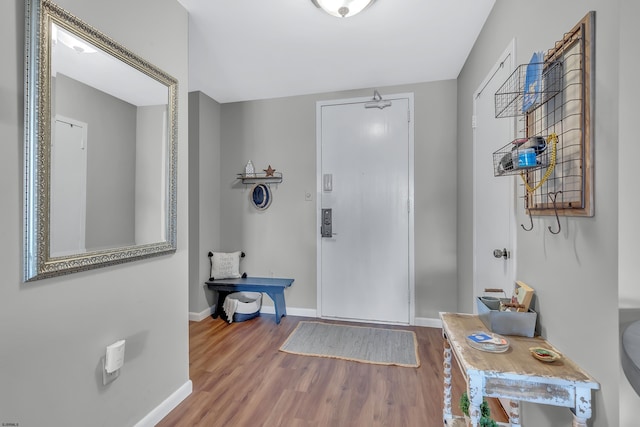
<point>69,40</point>
<point>343,8</point>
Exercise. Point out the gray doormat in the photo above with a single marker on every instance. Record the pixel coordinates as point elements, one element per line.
<point>358,343</point>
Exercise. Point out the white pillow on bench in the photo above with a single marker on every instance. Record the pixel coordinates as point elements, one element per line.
<point>226,265</point>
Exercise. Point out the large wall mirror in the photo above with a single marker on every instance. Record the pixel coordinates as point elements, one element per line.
<point>100,149</point>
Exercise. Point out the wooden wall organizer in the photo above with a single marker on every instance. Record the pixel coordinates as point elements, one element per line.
<point>568,190</point>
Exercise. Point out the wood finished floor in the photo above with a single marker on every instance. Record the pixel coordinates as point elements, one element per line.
<point>241,379</point>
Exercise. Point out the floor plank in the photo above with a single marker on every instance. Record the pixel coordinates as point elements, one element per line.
<point>241,379</point>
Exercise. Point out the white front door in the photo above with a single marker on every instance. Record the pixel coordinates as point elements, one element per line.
<point>366,179</point>
<point>494,206</point>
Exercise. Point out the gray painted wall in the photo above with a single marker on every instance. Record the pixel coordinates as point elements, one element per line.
<point>281,241</point>
<point>629,152</point>
<point>204,195</point>
<point>575,273</point>
<point>54,332</point>
<point>150,194</point>
<point>111,160</point>
<point>629,203</point>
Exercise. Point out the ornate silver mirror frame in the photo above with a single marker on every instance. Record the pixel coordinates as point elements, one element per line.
<point>39,261</point>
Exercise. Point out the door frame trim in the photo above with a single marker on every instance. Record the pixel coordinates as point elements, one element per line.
<point>410,169</point>
<point>83,212</point>
<point>510,50</point>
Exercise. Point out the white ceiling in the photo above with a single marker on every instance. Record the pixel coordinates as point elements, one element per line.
<point>96,68</point>
<point>255,49</point>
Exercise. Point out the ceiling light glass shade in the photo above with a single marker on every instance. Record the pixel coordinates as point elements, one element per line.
<point>343,8</point>
<point>69,40</point>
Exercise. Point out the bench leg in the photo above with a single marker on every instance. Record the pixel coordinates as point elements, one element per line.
<point>279,303</point>
<point>218,301</point>
<point>216,309</point>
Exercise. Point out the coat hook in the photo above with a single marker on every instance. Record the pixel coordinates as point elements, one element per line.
<point>530,222</point>
<point>555,209</point>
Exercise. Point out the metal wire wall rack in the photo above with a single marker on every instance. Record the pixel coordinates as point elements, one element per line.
<point>510,97</point>
<point>558,184</point>
<point>510,102</point>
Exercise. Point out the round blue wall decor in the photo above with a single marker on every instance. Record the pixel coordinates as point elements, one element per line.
<point>261,196</point>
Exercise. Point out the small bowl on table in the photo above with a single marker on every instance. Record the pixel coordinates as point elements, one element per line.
<point>544,354</point>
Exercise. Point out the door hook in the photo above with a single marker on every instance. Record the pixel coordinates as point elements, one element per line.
<point>555,209</point>
<point>530,222</point>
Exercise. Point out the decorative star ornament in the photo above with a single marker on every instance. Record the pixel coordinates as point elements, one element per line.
<point>269,171</point>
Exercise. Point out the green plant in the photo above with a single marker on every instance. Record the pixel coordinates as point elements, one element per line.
<point>485,412</point>
<point>464,404</point>
<point>487,422</point>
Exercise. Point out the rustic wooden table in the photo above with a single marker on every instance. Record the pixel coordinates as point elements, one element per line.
<point>513,375</point>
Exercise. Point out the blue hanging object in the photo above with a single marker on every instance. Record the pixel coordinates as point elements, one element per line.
<point>527,158</point>
<point>533,81</point>
<point>261,196</point>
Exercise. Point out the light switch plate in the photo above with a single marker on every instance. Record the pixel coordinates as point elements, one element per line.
<point>327,182</point>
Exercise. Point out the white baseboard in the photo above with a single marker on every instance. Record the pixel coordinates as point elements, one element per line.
<point>303,312</point>
<point>428,322</point>
<point>161,411</point>
<point>197,317</point>
<point>267,309</point>
<point>310,312</point>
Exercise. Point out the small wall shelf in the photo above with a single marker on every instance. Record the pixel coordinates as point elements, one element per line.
<point>260,178</point>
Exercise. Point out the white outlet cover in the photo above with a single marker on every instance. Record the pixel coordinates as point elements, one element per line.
<point>106,376</point>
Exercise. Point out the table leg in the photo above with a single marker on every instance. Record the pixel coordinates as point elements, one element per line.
<point>582,411</point>
<point>475,398</point>
<point>446,364</point>
<point>579,422</point>
<point>514,413</point>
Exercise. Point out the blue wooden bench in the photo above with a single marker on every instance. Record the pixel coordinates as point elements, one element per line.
<point>274,287</point>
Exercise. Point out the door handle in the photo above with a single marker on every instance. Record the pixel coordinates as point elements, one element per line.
<point>502,253</point>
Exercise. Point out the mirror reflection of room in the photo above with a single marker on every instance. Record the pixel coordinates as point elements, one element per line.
<point>109,135</point>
